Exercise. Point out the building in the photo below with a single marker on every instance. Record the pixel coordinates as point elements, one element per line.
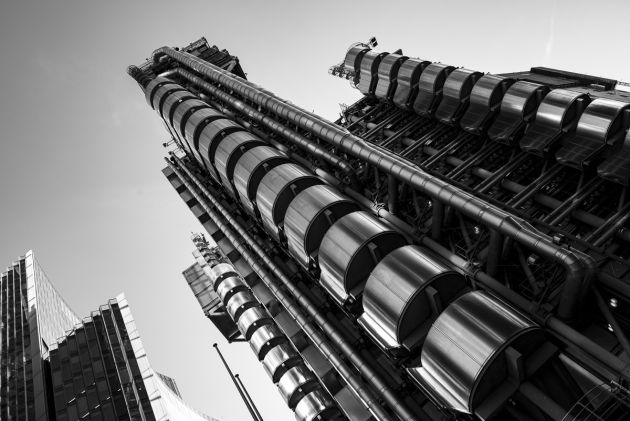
<point>454,246</point>
<point>55,366</point>
<point>100,371</point>
<point>34,315</point>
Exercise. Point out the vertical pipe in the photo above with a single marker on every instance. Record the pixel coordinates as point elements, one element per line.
<point>249,398</point>
<point>240,392</point>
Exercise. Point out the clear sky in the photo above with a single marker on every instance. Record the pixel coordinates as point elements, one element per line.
<point>80,150</point>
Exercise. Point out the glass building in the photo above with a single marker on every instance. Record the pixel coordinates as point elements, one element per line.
<point>56,366</point>
<point>33,316</point>
<point>100,371</point>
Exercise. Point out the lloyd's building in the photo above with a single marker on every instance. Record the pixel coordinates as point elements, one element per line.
<point>454,247</point>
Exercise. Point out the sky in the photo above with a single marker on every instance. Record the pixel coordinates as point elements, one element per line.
<point>81,154</point>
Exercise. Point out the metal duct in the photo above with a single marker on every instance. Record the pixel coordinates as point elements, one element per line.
<point>578,266</point>
<point>404,293</point>
<point>349,251</point>
<point>237,235</point>
<point>266,340</point>
<point>276,191</point>
<point>250,170</point>
<point>309,216</point>
<point>466,356</point>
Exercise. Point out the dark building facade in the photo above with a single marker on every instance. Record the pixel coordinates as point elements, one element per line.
<point>100,371</point>
<point>55,366</point>
<point>454,246</point>
<point>33,316</point>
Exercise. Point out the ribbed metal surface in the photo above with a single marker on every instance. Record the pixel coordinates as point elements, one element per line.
<point>239,302</point>
<point>228,152</point>
<point>349,251</point>
<point>462,360</point>
<point>229,286</point>
<point>314,406</point>
<point>251,319</point>
<point>250,170</point>
<point>518,108</point>
<point>309,216</point>
<point>276,191</point>
<point>220,272</point>
<point>430,88</point>
<point>265,338</point>
<point>396,301</point>
<point>293,382</point>
<point>558,113</point>
<point>280,359</point>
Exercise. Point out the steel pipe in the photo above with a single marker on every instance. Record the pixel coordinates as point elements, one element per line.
<point>578,266</point>
<point>239,236</point>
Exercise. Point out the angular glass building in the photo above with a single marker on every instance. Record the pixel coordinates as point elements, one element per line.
<point>100,371</point>
<point>55,366</point>
<point>33,316</point>
<point>454,246</point>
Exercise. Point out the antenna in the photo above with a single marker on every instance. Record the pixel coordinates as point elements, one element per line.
<point>251,402</point>
<point>227,367</point>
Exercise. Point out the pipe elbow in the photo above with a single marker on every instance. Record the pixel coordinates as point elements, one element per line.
<point>158,53</point>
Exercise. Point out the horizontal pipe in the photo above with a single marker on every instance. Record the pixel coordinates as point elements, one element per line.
<point>239,235</point>
<point>578,266</point>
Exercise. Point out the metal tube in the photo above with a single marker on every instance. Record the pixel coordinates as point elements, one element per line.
<point>240,392</point>
<point>615,284</point>
<point>578,266</point>
<point>249,398</point>
<point>268,122</point>
<point>566,207</point>
<point>238,235</point>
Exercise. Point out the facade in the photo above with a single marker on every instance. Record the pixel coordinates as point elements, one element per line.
<point>454,246</point>
<point>33,316</point>
<point>55,366</point>
<point>100,371</point>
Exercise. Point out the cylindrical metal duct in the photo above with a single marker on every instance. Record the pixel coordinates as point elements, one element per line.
<point>268,342</point>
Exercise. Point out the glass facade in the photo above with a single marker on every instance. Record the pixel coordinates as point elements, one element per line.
<point>32,315</point>
<point>100,371</point>
<point>55,366</point>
